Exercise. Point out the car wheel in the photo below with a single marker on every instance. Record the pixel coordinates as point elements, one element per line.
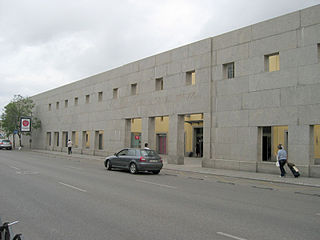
<point>108,165</point>
<point>133,168</point>
<point>156,172</point>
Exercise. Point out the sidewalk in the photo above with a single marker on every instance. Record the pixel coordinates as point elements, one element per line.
<point>304,181</point>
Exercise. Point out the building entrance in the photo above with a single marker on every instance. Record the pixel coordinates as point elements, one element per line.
<point>198,142</point>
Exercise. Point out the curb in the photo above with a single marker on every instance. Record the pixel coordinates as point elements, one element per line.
<point>247,178</point>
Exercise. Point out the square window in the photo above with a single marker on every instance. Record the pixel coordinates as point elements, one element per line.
<point>159,84</point>
<point>191,78</point>
<point>100,96</point>
<point>115,93</point>
<point>57,105</point>
<point>228,70</point>
<point>87,98</point>
<point>134,89</point>
<point>272,62</point>
<point>65,103</point>
<point>76,101</point>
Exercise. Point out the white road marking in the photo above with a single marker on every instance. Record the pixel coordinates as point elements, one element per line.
<point>73,187</point>
<point>157,184</point>
<point>77,168</point>
<point>318,214</point>
<point>26,172</point>
<point>13,167</point>
<point>230,236</point>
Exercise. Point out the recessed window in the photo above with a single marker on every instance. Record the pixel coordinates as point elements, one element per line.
<point>134,89</point>
<point>115,93</point>
<point>49,107</point>
<point>159,84</point>
<point>66,103</point>
<point>100,96</point>
<point>319,52</point>
<point>76,99</point>
<point>87,98</point>
<point>57,105</point>
<point>228,70</point>
<point>272,62</point>
<point>191,78</point>
<point>271,137</point>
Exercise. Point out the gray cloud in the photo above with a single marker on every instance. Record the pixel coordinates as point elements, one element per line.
<point>46,44</point>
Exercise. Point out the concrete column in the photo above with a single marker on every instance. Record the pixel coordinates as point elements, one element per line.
<point>60,148</point>
<point>145,131</point>
<point>127,132</point>
<point>82,141</point>
<point>299,147</point>
<point>206,139</point>
<point>92,141</point>
<point>176,139</point>
<point>148,132</point>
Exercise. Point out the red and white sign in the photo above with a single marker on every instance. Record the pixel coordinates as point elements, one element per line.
<point>25,124</point>
<point>136,137</point>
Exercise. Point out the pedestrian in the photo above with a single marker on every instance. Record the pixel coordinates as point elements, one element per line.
<point>146,146</point>
<point>69,146</point>
<point>282,159</point>
<point>198,148</point>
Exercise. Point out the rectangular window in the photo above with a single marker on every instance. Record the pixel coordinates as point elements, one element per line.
<point>76,99</point>
<point>134,89</point>
<point>115,93</point>
<point>65,103</point>
<point>65,139</point>
<point>191,78</point>
<point>75,139</point>
<point>272,62</point>
<point>56,139</point>
<point>100,96</point>
<point>99,140</point>
<point>86,138</point>
<point>57,105</point>
<point>48,138</point>
<point>87,98</point>
<point>228,70</point>
<point>159,84</point>
<point>49,107</point>
<point>271,138</point>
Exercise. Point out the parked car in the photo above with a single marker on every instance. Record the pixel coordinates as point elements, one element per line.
<point>5,144</point>
<point>135,160</point>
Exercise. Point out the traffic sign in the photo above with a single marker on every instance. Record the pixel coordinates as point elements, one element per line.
<point>25,124</point>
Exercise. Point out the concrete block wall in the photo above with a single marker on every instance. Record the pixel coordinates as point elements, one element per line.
<point>233,108</point>
<point>256,98</point>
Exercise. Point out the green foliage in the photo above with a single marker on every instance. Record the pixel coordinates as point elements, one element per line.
<point>17,108</point>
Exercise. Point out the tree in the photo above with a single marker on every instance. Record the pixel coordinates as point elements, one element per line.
<point>17,108</point>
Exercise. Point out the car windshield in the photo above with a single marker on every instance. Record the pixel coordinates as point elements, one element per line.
<point>148,153</point>
<point>6,141</point>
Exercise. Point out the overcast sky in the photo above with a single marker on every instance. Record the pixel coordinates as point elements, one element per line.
<point>45,44</point>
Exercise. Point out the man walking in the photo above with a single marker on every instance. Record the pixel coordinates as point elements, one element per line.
<point>69,146</point>
<point>282,158</point>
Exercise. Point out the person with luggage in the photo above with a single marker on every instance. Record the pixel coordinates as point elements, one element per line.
<point>282,159</point>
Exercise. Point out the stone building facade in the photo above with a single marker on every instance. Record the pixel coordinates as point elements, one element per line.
<point>241,94</point>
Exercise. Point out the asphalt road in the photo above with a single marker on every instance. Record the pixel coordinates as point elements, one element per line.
<point>64,198</point>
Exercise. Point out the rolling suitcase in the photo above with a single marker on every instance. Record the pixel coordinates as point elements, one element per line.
<point>294,169</point>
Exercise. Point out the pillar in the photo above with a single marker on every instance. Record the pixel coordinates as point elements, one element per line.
<point>176,139</point>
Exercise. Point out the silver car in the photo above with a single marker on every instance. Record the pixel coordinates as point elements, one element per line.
<point>135,160</point>
<point>5,144</point>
